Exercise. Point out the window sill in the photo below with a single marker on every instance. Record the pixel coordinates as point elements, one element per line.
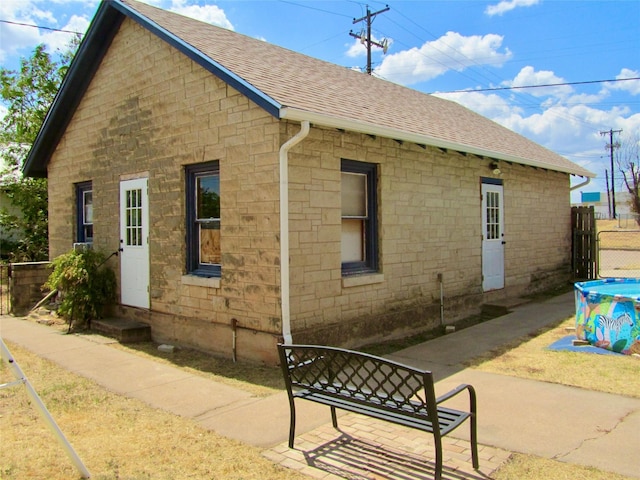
<point>209,282</point>
<point>359,280</point>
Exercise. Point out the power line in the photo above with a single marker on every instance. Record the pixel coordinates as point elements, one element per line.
<point>543,85</point>
<point>39,26</point>
<point>314,8</point>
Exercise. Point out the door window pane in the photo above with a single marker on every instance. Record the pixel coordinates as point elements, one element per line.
<point>493,216</point>
<point>133,217</point>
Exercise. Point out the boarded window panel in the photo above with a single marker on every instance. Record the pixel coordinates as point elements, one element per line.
<point>210,243</point>
<point>354,195</point>
<point>352,240</point>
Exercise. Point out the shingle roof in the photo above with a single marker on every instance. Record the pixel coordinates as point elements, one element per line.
<point>298,87</point>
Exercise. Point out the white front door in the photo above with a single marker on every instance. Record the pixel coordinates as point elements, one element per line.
<point>492,237</point>
<point>134,243</point>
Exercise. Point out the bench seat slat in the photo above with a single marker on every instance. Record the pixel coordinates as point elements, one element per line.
<point>448,419</point>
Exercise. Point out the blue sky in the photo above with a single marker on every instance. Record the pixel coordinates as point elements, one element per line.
<point>475,49</point>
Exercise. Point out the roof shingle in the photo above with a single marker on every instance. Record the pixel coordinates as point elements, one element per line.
<point>306,84</point>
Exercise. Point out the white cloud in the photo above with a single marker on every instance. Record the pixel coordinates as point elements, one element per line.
<point>207,13</point>
<point>562,119</point>
<point>507,5</point>
<point>18,39</point>
<point>452,51</point>
<point>60,40</point>
<point>631,86</point>
<point>529,76</point>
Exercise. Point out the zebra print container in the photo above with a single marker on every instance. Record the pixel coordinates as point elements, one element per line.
<point>608,314</point>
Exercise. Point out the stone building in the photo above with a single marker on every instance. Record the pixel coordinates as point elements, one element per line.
<point>263,195</point>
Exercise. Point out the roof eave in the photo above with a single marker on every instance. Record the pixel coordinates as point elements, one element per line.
<point>330,121</point>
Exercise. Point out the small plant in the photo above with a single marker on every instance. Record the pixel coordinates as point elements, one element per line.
<point>84,285</point>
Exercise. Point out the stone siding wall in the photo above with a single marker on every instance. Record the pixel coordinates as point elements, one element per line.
<point>148,113</point>
<point>26,282</point>
<point>430,223</point>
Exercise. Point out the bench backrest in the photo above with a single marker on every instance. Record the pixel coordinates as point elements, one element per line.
<point>358,377</point>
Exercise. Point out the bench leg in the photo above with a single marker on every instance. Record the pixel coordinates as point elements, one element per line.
<point>292,424</point>
<point>474,441</point>
<point>334,417</point>
<point>438,473</point>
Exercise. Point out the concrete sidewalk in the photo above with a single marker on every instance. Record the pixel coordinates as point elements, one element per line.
<point>515,415</point>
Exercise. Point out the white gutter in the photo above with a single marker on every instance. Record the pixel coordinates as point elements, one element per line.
<point>295,114</point>
<point>284,228</point>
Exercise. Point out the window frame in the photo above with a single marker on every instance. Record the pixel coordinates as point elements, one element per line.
<point>370,236</point>
<point>193,266</point>
<point>81,189</point>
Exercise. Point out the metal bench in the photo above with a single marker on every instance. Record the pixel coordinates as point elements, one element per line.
<point>376,387</point>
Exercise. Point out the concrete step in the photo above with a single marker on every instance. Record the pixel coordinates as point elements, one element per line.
<point>492,310</point>
<point>123,330</point>
<point>502,307</point>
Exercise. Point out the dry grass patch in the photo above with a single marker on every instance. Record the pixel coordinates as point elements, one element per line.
<point>527,467</point>
<point>530,358</point>
<point>116,437</point>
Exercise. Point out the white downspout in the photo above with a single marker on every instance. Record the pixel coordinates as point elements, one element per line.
<point>580,184</point>
<point>284,228</point>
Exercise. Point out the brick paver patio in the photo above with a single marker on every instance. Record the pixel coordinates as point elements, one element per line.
<point>369,449</point>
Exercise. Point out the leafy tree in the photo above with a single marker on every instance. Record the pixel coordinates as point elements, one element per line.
<point>629,165</point>
<point>28,94</point>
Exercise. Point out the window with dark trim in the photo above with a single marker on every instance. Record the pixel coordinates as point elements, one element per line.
<point>359,218</point>
<point>203,219</point>
<point>84,212</point>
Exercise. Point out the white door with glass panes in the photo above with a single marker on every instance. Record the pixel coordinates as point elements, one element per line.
<point>134,243</point>
<point>492,237</point>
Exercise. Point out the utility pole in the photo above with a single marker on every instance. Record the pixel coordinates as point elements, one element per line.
<point>366,40</point>
<point>606,179</point>
<point>612,146</point>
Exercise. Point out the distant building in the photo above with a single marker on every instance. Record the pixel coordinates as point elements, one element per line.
<point>600,202</point>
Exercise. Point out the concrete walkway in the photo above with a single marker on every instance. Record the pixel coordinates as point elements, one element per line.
<point>515,415</point>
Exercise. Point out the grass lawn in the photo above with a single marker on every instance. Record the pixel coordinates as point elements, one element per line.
<point>116,437</point>
<point>529,358</point>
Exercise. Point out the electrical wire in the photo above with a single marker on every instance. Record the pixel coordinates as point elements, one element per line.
<point>40,27</point>
<point>586,82</point>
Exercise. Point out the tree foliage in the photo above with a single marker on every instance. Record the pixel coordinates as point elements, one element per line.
<point>629,165</point>
<point>27,94</point>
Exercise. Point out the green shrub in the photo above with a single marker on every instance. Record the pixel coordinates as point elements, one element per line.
<point>84,285</point>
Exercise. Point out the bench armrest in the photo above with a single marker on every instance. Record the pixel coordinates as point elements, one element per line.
<point>457,390</point>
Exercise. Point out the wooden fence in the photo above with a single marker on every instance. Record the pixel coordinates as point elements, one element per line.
<point>583,244</point>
